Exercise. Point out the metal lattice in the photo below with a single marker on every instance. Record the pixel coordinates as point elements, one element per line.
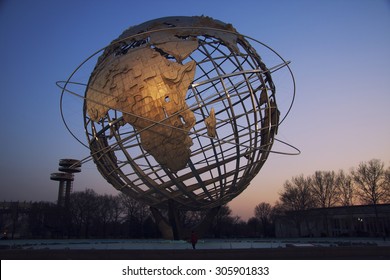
<point>231,79</point>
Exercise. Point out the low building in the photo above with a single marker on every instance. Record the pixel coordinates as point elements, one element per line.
<point>352,221</point>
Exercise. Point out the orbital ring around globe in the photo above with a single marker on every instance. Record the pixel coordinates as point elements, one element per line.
<point>197,150</point>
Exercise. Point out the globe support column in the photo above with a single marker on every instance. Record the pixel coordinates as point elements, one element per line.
<point>172,228</point>
<point>173,215</point>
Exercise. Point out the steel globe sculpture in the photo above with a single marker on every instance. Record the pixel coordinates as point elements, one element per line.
<point>181,114</point>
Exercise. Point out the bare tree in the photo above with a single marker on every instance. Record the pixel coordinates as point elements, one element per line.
<point>371,183</point>
<point>191,218</point>
<point>253,226</point>
<point>297,195</point>
<point>108,212</point>
<point>135,214</point>
<point>263,213</point>
<point>324,189</point>
<point>223,222</point>
<point>84,209</point>
<point>387,185</point>
<point>345,188</point>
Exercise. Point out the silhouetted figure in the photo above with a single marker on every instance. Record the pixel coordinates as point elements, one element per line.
<point>194,239</point>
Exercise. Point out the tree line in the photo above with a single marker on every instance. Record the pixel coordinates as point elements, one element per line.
<point>368,184</point>
<point>91,215</point>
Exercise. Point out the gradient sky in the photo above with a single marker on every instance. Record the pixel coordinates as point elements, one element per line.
<point>340,53</point>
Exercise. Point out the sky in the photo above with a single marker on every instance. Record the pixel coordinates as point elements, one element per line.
<point>339,53</point>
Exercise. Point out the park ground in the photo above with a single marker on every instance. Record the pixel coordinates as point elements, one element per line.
<point>292,249</point>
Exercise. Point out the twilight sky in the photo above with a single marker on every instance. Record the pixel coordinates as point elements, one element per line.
<point>340,53</point>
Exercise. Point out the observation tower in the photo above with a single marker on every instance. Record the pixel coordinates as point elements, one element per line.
<point>65,178</point>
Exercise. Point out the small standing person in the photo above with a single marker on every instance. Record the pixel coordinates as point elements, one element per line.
<point>194,239</point>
